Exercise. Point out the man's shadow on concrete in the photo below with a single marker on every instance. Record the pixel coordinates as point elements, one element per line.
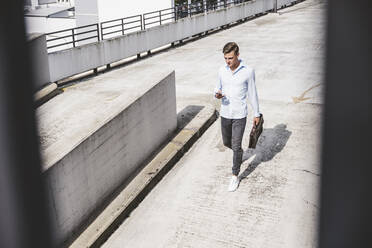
<point>271,142</point>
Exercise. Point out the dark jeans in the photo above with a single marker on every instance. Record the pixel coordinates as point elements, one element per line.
<point>232,135</point>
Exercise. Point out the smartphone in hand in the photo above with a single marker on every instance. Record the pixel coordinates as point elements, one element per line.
<point>219,95</point>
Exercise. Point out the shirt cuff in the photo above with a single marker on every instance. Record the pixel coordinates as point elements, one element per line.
<point>257,114</point>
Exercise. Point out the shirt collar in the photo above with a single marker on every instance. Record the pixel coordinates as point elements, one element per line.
<point>241,65</point>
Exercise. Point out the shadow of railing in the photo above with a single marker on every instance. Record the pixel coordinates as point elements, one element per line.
<point>271,142</point>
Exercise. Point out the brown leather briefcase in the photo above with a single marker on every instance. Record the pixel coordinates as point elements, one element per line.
<point>255,133</point>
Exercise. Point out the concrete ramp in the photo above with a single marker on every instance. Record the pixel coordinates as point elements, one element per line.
<point>276,204</point>
<point>96,135</point>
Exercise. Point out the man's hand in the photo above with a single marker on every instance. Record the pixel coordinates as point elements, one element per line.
<point>219,95</point>
<point>256,120</point>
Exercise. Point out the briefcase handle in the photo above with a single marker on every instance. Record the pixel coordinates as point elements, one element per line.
<point>261,119</point>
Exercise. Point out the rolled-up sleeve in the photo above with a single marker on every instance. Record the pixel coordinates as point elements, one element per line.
<point>252,94</point>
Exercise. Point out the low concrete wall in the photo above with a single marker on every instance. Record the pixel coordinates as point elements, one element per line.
<point>73,61</point>
<point>39,58</point>
<point>82,180</point>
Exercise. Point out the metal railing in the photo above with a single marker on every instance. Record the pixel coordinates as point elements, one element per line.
<point>197,7</point>
<point>223,4</point>
<point>119,27</point>
<point>158,17</point>
<point>188,10</point>
<point>75,36</point>
<point>72,37</point>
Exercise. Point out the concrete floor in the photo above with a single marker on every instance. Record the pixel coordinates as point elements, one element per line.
<point>277,203</point>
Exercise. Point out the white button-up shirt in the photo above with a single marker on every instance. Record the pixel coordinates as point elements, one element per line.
<point>237,86</point>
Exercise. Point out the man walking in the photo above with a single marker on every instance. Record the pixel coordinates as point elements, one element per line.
<point>236,81</point>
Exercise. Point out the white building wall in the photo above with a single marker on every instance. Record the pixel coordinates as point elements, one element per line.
<point>46,1</point>
<point>93,11</point>
<point>114,9</point>
<point>86,12</point>
<point>47,25</point>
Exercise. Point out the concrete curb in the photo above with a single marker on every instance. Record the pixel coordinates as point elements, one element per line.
<point>45,91</point>
<point>129,198</point>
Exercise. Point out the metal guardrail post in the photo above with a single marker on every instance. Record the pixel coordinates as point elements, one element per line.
<point>98,32</point>
<point>73,37</point>
<point>122,26</point>
<point>101,31</point>
<point>160,17</point>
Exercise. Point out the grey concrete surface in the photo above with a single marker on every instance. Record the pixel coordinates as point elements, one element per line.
<point>39,58</point>
<point>95,135</point>
<point>133,193</point>
<point>276,204</point>
<point>45,91</point>
<point>66,63</point>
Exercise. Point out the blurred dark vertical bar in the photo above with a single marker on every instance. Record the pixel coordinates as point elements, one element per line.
<point>346,194</point>
<point>23,216</point>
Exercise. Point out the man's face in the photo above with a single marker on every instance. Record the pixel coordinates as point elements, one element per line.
<point>231,59</point>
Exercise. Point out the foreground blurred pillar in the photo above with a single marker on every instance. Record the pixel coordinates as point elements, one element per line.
<point>23,216</point>
<point>346,209</point>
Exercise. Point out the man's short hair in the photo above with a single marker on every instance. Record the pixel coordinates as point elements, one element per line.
<point>229,47</point>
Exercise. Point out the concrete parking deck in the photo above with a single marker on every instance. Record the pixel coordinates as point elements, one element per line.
<point>276,204</point>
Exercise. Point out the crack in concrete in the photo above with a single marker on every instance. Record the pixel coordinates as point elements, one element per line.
<point>307,171</point>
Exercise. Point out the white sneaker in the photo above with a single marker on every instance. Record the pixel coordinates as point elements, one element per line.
<point>234,183</point>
